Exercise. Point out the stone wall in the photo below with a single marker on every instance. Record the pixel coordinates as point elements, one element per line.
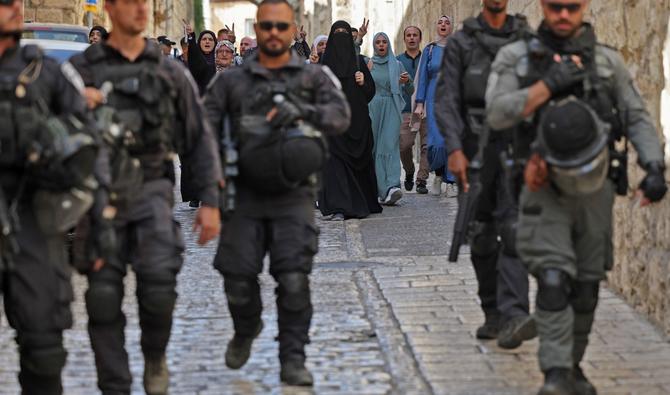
<point>636,27</point>
<point>164,17</point>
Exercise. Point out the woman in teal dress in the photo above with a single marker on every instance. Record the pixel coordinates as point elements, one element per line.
<point>386,115</point>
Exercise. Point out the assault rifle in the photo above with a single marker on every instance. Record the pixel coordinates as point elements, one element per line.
<point>9,223</point>
<point>467,201</point>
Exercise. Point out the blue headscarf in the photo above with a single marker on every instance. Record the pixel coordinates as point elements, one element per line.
<point>394,71</point>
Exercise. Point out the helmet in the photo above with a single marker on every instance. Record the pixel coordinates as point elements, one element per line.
<point>574,142</point>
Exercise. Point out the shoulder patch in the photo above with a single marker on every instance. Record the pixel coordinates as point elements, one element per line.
<point>332,76</point>
<point>72,75</point>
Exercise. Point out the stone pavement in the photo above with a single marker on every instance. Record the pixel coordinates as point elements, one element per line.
<point>391,316</point>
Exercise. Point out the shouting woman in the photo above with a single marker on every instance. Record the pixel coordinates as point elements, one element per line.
<point>386,113</point>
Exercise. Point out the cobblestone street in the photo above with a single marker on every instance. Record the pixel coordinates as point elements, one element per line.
<point>391,316</point>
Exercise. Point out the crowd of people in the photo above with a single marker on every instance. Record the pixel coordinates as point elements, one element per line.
<point>390,100</point>
<point>525,122</point>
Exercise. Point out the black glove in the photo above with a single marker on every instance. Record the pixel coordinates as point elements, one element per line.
<point>106,245</point>
<point>653,185</point>
<point>287,113</point>
<point>562,76</point>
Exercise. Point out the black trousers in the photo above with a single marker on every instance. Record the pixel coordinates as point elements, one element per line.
<point>37,296</point>
<point>150,241</point>
<point>502,277</point>
<point>284,227</point>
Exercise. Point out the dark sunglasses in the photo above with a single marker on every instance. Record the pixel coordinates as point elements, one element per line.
<point>6,2</point>
<point>269,25</point>
<point>559,7</point>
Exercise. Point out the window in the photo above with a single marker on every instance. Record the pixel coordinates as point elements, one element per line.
<point>249,27</point>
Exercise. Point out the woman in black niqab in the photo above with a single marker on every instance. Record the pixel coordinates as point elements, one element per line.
<point>349,186</point>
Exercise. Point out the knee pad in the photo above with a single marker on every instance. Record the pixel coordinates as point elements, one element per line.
<point>553,290</point>
<point>240,292</point>
<point>484,239</point>
<point>584,298</point>
<point>157,299</point>
<point>293,291</point>
<point>103,302</point>
<point>42,354</point>
<point>508,237</point>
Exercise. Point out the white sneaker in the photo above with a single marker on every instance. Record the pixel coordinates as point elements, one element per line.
<point>393,196</point>
<point>437,186</point>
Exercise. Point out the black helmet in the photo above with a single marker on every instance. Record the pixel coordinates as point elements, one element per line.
<point>573,140</point>
<point>571,133</point>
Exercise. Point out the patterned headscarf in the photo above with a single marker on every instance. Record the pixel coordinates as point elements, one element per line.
<point>222,44</point>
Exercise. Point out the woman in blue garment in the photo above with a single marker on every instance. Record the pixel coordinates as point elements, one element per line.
<point>386,115</point>
<point>426,81</point>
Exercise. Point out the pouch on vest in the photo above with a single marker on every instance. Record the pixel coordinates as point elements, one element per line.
<point>58,211</point>
<point>127,176</point>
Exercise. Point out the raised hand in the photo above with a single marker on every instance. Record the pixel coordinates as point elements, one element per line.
<point>363,30</point>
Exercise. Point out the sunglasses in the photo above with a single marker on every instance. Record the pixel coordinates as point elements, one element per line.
<point>559,7</point>
<point>269,25</point>
<point>6,2</point>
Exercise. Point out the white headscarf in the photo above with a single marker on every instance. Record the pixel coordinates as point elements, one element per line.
<point>317,40</point>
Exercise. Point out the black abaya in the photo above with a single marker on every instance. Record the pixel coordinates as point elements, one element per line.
<point>349,185</point>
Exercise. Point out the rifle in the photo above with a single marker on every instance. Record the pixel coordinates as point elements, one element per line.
<point>467,201</point>
<point>230,169</point>
<point>9,225</point>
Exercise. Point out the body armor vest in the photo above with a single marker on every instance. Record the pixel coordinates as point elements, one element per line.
<point>273,160</point>
<point>19,112</point>
<point>143,100</point>
<point>598,89</point>
<point>59,154</point>
<point>481,57</point>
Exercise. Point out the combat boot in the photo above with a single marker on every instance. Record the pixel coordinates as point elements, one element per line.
<point>582,384</point>
<point>239,348</point>
<point>156,375</point>
<point>294,372</point>
<point>558,381</point>
<point>515,331</point>
<point>490,328</point>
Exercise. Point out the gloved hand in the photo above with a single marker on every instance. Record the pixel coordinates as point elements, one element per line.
<point>563,75</point>
<point>286,113</point>
<point>653,185</point>
<point>106,245</point>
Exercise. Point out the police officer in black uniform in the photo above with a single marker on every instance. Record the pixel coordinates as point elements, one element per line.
<point>155,101</point>
<point>47,154</point>
<point>503,280</point>
<point>274,103</point>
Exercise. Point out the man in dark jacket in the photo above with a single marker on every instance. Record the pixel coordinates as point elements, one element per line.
<point>39,103</point>
<point>156,101</point>
<point>273,95</point>
<point>503,280</point>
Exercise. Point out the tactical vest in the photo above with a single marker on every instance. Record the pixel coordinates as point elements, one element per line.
<point>143,98</point>
<point>598,89</point>
<point>58,154</point>
<point>19,112</point>
<point>274,161</point>
<point>480,58</point>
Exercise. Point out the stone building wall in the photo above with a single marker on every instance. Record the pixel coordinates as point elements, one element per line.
<point>636,27</point>
<point>164,17</point>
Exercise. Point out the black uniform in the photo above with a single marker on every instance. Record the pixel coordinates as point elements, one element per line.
<point>156,98</point>
<point>503,280</point>
<point>36,281</point>
<point>283,223</point>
